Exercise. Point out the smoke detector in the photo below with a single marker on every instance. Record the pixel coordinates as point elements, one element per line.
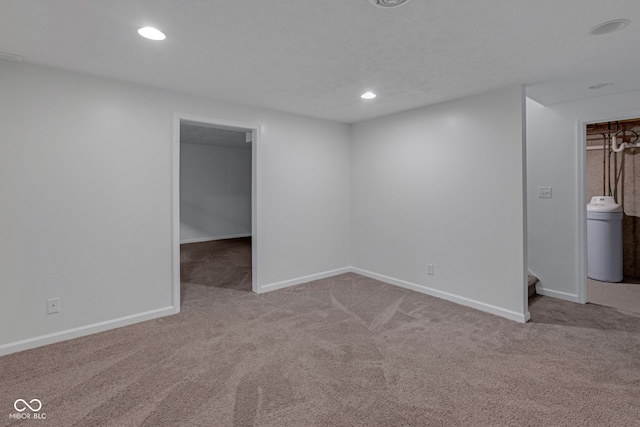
<point>388,3</point>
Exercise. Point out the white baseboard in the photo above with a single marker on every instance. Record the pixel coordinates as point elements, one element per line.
<point>56,337</point>
<point>209,239</point>
<point>488,308</point>
<point>498,311</point>
<point>153,314</point>
<point>303,279</point>
<point>556,294</point>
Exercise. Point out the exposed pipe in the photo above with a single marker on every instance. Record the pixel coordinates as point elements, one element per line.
<point>610,193</point>
<point>615,174</point>
<point>620,183</point>
<point>630,139</point>
<point>615,147</point>
<point>604,165</point>
<point>618,148</point>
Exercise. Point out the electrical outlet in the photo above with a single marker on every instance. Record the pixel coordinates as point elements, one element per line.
<point>430,269</point>
<point>53,305</point>
<point>544,192</point>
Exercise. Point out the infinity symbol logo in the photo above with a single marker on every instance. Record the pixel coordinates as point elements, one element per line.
<point>26,405</point>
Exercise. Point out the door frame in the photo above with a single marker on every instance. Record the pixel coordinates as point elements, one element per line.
<point>256,270</point>
<point>581,214</point>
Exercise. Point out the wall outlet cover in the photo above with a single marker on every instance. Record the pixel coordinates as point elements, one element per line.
<point>53,305</point>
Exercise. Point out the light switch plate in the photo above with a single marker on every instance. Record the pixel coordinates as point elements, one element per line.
<point>544,192</point>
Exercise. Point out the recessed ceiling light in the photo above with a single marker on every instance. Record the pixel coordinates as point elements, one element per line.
<point>151,33</point>
<point>389,3</point>
<point>609,27</point>
<point>600,86</point>
<point>368,95</point>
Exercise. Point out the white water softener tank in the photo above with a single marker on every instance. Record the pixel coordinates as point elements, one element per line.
<point>604,239</point>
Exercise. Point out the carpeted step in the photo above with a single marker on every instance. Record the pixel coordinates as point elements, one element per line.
<point>531,285</point>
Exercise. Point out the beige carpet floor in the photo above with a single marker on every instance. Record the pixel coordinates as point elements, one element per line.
<point>222,263</point>
<point>343,351</point>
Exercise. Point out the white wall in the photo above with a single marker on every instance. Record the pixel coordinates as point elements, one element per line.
<point>85,179</point>
<point>215,192</point>
<point>85,176</point>
<point>444,185</point>
<point>556,226</point>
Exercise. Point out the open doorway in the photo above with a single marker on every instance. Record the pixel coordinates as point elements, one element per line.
<point>613,173</point>
<point>214,204</point>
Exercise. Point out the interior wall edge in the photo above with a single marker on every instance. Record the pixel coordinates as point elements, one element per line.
<point>467,302</point>
<point>478,305</point>
<point>303,279</point>
<point>40,341</point>
<point>556,294</point>
<point>82,331</point>
<point>525,234</point>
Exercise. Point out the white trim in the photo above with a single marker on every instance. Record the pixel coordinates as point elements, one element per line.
<point>488,308</point>
<point>211,238</point>
<point>256,249</point>
<point>256,209</point>
<point>175,213</point>
<point>556,294</point>
<point>581,214</point>
<point>82,331</point>
<point>153,314</point>
<point>581,222</point>
<point>525,234</point>
<point>304,279</point>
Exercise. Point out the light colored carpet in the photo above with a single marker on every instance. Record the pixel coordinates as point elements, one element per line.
<point>343,351</point>
<point>222,263</point>
<point>623,296</point>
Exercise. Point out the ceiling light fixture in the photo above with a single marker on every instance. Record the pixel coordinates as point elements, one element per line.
<point>609,27</point>
<point>600,86</point>
<point>389,3</point>
<point>151,33</point>
<point>368,95</point>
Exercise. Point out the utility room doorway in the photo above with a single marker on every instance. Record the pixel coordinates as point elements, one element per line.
<point>613,174</point>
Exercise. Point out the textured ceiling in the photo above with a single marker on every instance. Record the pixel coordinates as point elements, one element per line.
<point>315,57</point>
